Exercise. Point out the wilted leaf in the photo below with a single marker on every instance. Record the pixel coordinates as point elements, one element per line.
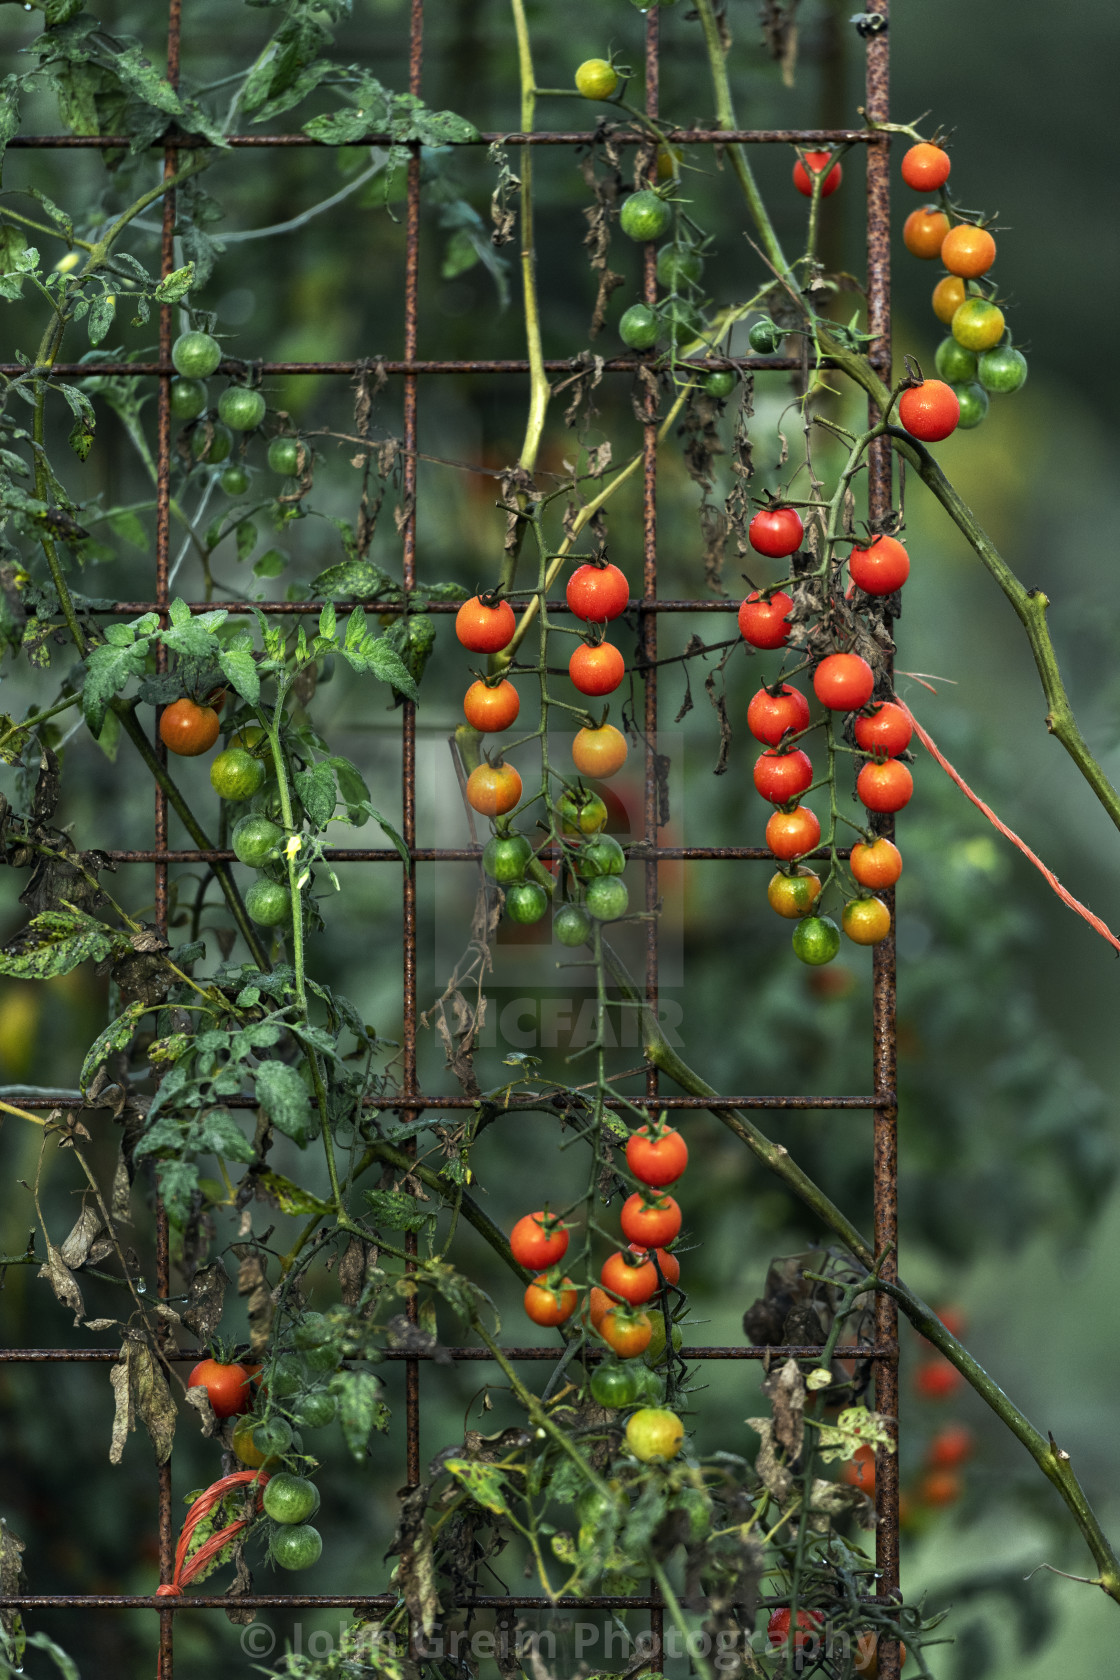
<point>75,1250</point>
<point>205,1300</point>
<point>63,1282</point>
<point>483,1482</point>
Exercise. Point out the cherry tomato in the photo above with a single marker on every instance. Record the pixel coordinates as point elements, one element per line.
<point>550,1304</point>
<point>489,708</point>
<point>968,251</point>
<point>816,940</point>
<point>599,752</point>
<point>596,670</point>
<point>843,682</point>
<point>790,834</point>
<point>581,812</point>
<point>599,1305</point>
<point>607,898</point>
<point>859,1470</point>
<point>885,787</point>
<point>483,627</point>
<point>950,1447</point>
<point>794,895</point>
<point>493,789</point>
<point>974,404</point>
<point>937,1379</point>
<point>1003,369</point>
<point>816,161</point>
<point>763,623</point>
<point>877,865</point>
<point>614,1385</point>
<point>776,532</point>
<point>888,730</point>
<point>526,902</point>
<point>670,1265</point>
<point>597,593</point>
<point>241,409</point>
<point>627,1334</point>
<point>780,777</point>
<point>196,355</point>
<point>925,167</point>
<point>538,1242</point>
<point>880,568</point>
<point>977,324</point>
<point>866,1653</point>
<point>634,1283</point>
<point>504,857</point>
<point>948,295</point>
<point>656,1155</point>
<point>866,921</point>
<point>187,728</point>
<point>596,79</point>
<point>954,363</point>
<point>770,715</point>
<point>929,411</point>
<point>777,1628</point>
<point>940,1488</point>
<point>924,230</point>
<point>645,216</point>
<point>651,1221</point>
<point>654,1432</point>
<point>228,1387</point>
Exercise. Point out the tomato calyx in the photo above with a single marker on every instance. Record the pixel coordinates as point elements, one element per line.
<point>491,598</point>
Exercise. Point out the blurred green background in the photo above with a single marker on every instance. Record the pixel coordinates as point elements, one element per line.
<point>1008,1057</point>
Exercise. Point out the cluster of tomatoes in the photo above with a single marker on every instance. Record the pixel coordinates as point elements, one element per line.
<point>241,409</point>
<point>629,1279</point>
<point>977,358</point>
<point>811,1634</point>
<point>597,592</point>
<point>779,717</point>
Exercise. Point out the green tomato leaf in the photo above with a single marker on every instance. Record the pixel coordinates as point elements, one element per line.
<point>118,1035</point>
<point>221,1134</point>
<point>56,942</point>
<point>392,1210</point>
<point>240,670</point>
<point>175,285</point>
<point>81,436</point>
<point>100,317</point>
<point>484,1482</point>
<point>9,113</point>
<point>355,580</point>
<point>360,1408</point>
<point>108,670</point>
<point>283,1095</point>
<point>317,792</point>
<point>289,1197</point>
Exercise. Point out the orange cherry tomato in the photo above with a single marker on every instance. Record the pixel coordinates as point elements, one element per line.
<point>626,1333</point>
<point>859,1471</point>
<point>651,1221</point>
<point>816,161</point>
<point>877,865</point>
<point>599,752</point>
<point>670,1265</point>
<point>485,628</point>
<point>866,921</point>
<point>950,1447</point>
<point>538,1241</point>
<point>790,834</point>
<point>187,728</point>
<point>843,682</point>
<point>925,167</point>
<point>885,787</point>
<point>656,1155</point>
<point>924,230</point>
<point>968,251</point>
<point>948,295</point>
<point>596,670</point>
<point>493,789</point>
<point>635,1283</point>
<point>599,1305</point>
<point>489,708</point>
<point>930,411</point>
<point>550,1304</point>
<point>940,1487</point>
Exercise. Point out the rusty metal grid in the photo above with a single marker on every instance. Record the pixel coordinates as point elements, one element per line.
<point>881,1102</point>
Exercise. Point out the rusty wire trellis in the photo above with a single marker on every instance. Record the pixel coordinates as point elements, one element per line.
<point>881,1102</point>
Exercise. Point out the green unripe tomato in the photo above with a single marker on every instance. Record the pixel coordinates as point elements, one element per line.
<point>657,1340</point>
<point>297,1547</point>
<point>650,1387</point>
<point>268,903</point>
<point>615,1385</point>
<point>816,940</point>
<point>257,841</point>
<point>504,857</point>
<point>764,337</point>
<point>316,1410</point>
<point>974,404</point>
<point>196,355</point>
<point>188,399</point>
<point>312,1330</point>
<point>978,324</point>
<point>607,898</point>
<point>1003,369</point>
<point>211,444</point>
<point>283,456</point>
<point>645,216</point>
<point>578,816</point>
<point>236,774</point>
<point>290,1499</point>
<point>273,1437</point>
<point>601,856</point>
<point>242,409</point>
<point>235,481</point>
<point>596,79</point>
<point>326,1357</point>
<point>639,327</point>
<point>955,364</point>
<point>720,384</point>
<point>285,1378</point>
<point>526,902</point>
<point>679,266</point>
<point>572,925</point>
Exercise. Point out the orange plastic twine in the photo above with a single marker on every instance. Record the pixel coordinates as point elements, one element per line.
<point>186,1570</point>
<point>1047,874</point>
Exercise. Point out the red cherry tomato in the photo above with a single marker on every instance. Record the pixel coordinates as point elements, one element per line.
<point>634,1283</point>
<point>187,728</point>
<point>763,623</point>
<point>780,777</point>
<point>937,1380</point>
<point>548,1303</point>
<point>655,1155</point>
<point>596,670</point>
<point>940,1487</point>
<point>650,1221</point>
<point>803,181</point>
<point>670,1265</point>
<point>860,1470</point>
<point>776,532</point>
<point>929,411</point>
<point>493,789</point>
<point>597,593</point>
<point>538,1243</point>
<point>885,787</point>
<point>880,568</point>
<point>888,730</point>
<point>777,1628</point>
<point>950,1447</point>
<point>769,715</point>
<point>790,834</point>
<point>843,682</point>
<point>228,1387</point>
<point>491,708</point>
<point>925,167</point>
<point>483,628</point>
